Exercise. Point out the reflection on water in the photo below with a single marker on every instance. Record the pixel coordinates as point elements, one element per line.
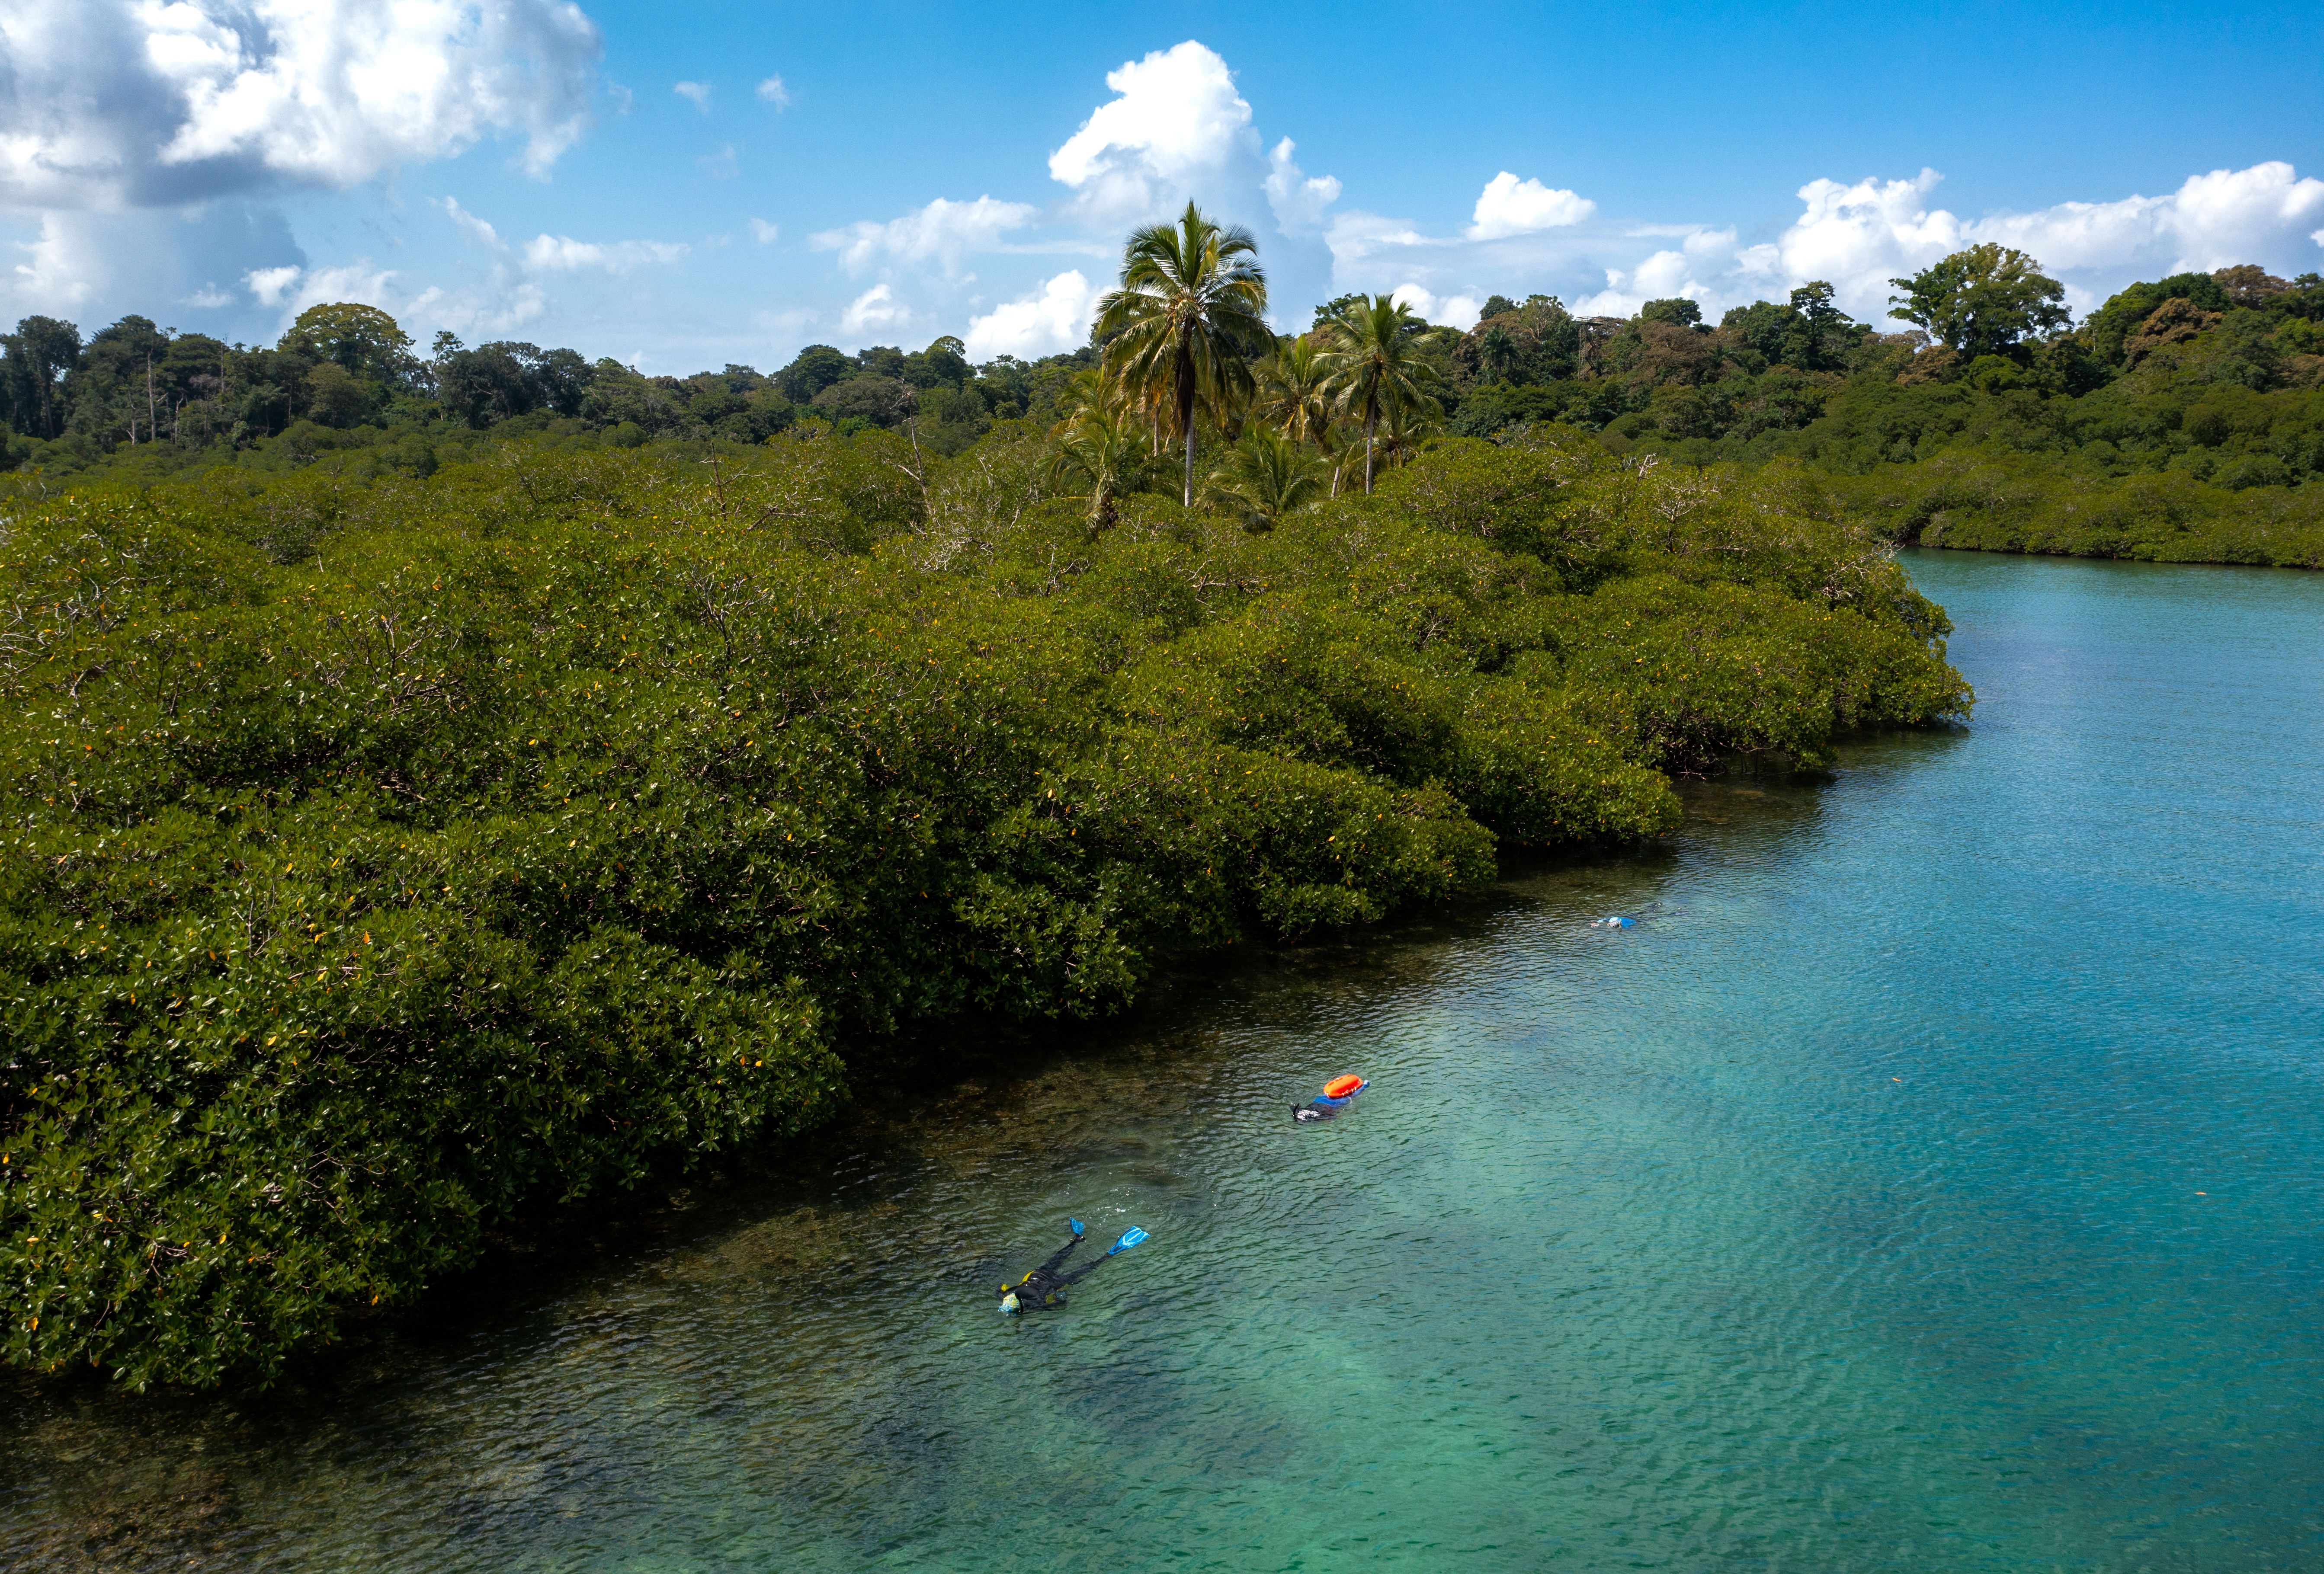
<point>1927,1182</point>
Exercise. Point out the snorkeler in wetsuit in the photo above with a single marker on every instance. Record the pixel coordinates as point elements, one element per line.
<point>1044,1289</point>
<point>1338,1094</point>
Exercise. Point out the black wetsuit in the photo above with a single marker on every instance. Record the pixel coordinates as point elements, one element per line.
<point>1321,1108</point>
<point>1044,1289</point>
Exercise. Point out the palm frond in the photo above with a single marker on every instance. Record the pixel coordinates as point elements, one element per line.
<point>1373,368</point>
<point>1266,477</point>
<point>1099,457</point>
<point>1184,321</point>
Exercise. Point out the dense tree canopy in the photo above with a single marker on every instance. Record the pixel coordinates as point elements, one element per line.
<point>1983,301</point>
<point>437,786</point>
<point>363,339</point>
<point>386,854</point>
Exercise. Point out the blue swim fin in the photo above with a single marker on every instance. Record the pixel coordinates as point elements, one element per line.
<point>1129,1237</point>
<point>1075,1226</point>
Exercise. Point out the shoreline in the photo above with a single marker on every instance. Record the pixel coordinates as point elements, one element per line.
<point>1920,546</point>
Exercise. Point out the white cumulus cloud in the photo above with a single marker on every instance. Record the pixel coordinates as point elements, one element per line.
<point>1858,237</point>
<point>1520,231</point>
<point>942,231</point>
<point>156,102</point>
<point>1175,125</point>
<point>695,93</point>
<point>1298,201</point>
<point>1459,311</point>
<point>2213,220</point>
<point>1855,236</point>
<point>1510,207</point>
<point>564,254</point>
<point>477,313</point>
<point>475,228</point>
<point>295,288</point>
<point>1053,318</point>
<point>874,309</point>
<point>773,91</point>
<point>1356,237</point>
<point>548,253</point>
<point>764,233</point>
<point>1667,275</point>
<point>506,303</point>
<point>77,264</point>
<point>270,284</point>
<point>1176,130</point>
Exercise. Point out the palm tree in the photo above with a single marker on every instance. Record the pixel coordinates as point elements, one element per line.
<point>1405,427</point>
<point>1294,392</point>
<point>1498,353</point>
<point>1184,319</point>
<point>1089,393</point>
<point>1372,364</point>
<point>1265,476</point>
<point>1104,454</point>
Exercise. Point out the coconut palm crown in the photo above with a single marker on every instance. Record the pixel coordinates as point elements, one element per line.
<point>1372,367</point>
<point>1102,456</point>
<point>1295,394</point>
<point>1266,477</point>
<point>1186,320</point>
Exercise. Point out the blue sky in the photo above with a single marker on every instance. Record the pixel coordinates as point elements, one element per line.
<point>679,186</point>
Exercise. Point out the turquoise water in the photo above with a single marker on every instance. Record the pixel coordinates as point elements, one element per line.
<point>1930,1181</point>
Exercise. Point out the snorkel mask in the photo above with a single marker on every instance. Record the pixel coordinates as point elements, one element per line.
<point>1009,1301</point>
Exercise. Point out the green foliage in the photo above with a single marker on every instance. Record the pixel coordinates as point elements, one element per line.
<point>1994,499</point>
<point>2208,376</point>
<point>2121,316</point>
<point>884,401</point>
<point>1374,369</point>
<point>1982,302</point>
<point>1517,495</point>
<point>1100,458</point>
<point>1809,333</point>
<point>362,339</point>
<point>1295,394</point>
<point>1517,345</point>
<point>1264,478</point>
<point>1677,309</point>
<point>1186,322</point>
<point>383,855</point>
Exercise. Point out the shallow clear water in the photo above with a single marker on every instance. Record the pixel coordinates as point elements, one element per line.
<point>1931,1182</point>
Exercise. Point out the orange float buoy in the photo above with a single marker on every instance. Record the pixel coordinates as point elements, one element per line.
<point>1340,1087</point>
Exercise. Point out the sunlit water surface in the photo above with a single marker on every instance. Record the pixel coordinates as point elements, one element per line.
<point>1930,1181</point>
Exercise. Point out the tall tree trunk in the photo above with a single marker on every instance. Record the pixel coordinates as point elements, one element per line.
<point>1186,392</point>
<point>1371,418</point>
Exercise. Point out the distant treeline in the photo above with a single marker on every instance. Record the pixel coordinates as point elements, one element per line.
<point>136,398</point>
<point>2182,419</point>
